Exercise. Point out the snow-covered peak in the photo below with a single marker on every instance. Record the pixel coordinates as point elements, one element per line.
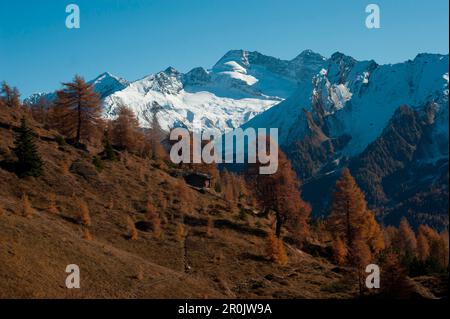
<point>339,66</point>
<point>166,82</point>
<point>106,76</point>
<point>341,57</point>
<point>197,76</point>
<point>171,71</point>
<point>225,97</point>
<point>357,98</point>
<point>246,61</point>
<point>305,65</point>
<point>36,98</point>
<point>240,57</point>
<point>268,75</point>
<point>239,86</point>
<point>106,84</point>
<point>308,56</point>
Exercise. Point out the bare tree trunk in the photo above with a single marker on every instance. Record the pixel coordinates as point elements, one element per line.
<point>78,137</point>
<point>279,224</point>
<point>187,268</point>
<point>349,231</point>
<point>360,283</point>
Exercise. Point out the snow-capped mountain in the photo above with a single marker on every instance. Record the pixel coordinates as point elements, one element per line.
<point>105,84</point>
<point>341,95</point>
<point>357,98</point>
<point>239,86</point>
<point>35,98</point>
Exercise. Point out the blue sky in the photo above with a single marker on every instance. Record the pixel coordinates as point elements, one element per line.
<point>134,38</point>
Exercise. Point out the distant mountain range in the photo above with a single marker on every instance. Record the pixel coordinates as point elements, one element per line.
<point>388,123</point>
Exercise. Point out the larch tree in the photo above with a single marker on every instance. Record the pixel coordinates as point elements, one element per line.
<point>241,190</point>
<point>406,241</point>
<point>423,247</point>
<point>155,138</point>
<point>394,282</point>
<point>439,250</point>
<point>280,193</point>
<point>27,209</point>
<point>40,111</point>
<point>438,256</point>
<point>348,209</point>
<point>84,213</point>
<point>108,150</point>
<point>390,236</point>
<point>125,130</point>
<point>9,96</point>
<point>227,186</point>
<point>351,220</point>
<point>237,187</point>
<point>359,257</point>
<point>131,229</point>
<point>77,110</point>
<point>445,242</point>
<point>340,251</point>
<point>275,249</point>
<point>374,234</point>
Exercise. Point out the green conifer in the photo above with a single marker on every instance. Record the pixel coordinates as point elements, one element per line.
<point>109,153</point>
<point>29,162</point>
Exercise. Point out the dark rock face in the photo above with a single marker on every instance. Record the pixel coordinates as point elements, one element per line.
<point>396,178</point>
<point>393,171</point>
<point>391,152</point>
<point>315,150</point>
